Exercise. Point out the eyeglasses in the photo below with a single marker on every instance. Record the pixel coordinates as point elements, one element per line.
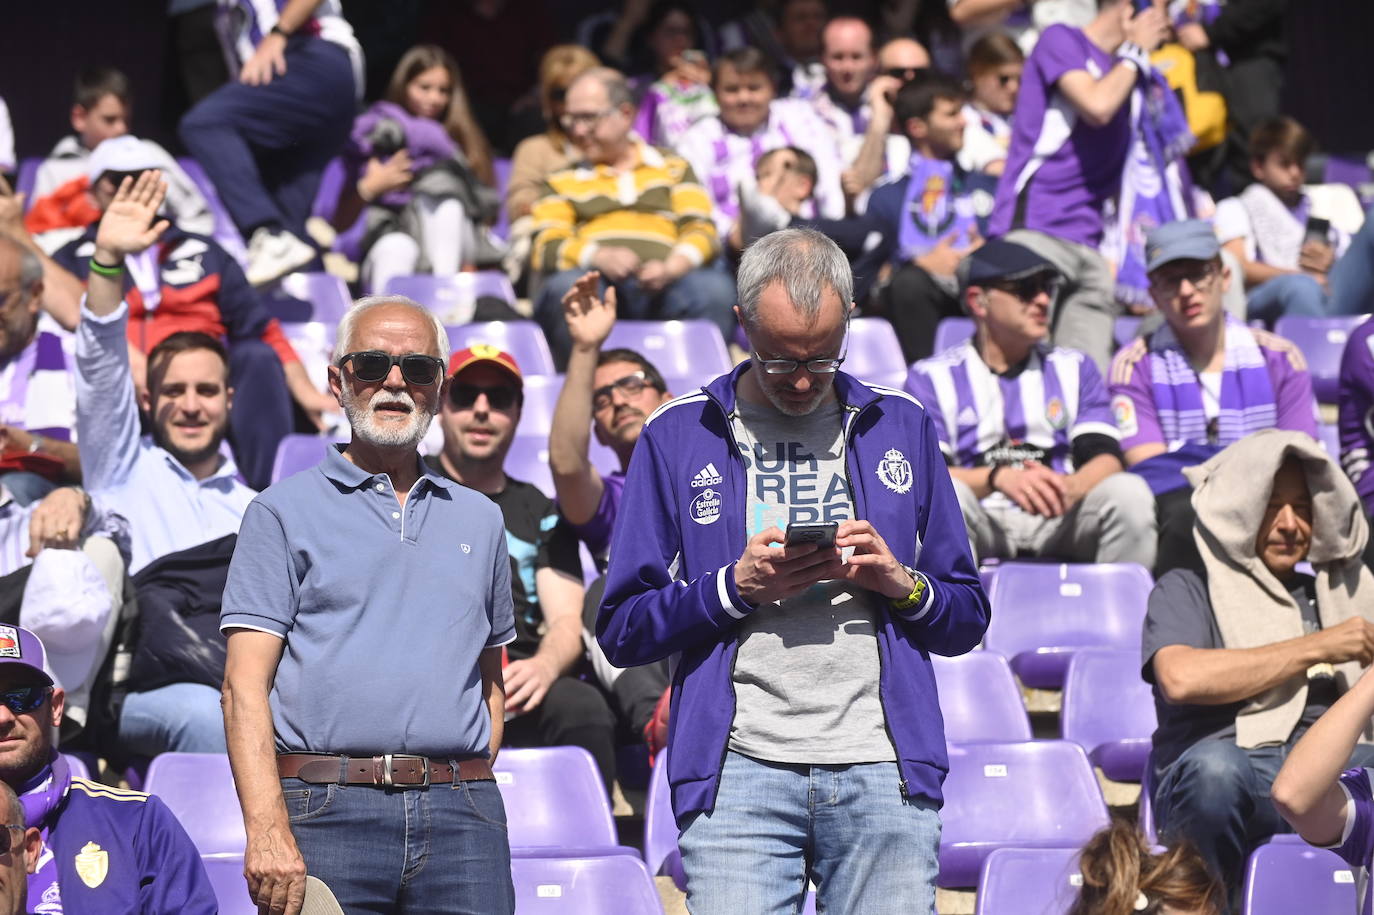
<point>1028,288</point>
<point>371,366</point>
<point>788,366</point>
<point>25,699</point>
<point>499,396</point>
<point>1199,277</point>
<point>630,385</point>
<point>905,74</point>
<point>5,844</point>
<point>587,119</point>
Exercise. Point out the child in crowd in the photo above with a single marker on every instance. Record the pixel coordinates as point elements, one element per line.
<point>678,92</point>
<point>421,170</point>
<point>994,78</point>
<point>1123,876</point>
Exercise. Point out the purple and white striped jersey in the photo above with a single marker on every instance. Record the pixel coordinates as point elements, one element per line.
<point>1034,414</point>
<point>1356,405</point>
<point>37,386</point>
<point>1357,839</point>
<point>242,25</point>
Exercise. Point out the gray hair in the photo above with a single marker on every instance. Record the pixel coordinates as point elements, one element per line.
<point>344,340</point>
<point>30,267</point>
<point>613,81</point>
<point>806,262</point>
<point>14,808</point>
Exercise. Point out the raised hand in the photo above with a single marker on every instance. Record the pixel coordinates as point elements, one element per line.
<point>589,316</point>
<point>128,225</point>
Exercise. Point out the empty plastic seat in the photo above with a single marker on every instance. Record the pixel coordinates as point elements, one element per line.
<point>296,453</point>
<point>1286,877</point>
<point>501,171</point>
<point>660,826</point>
<point>681,349</point>
<point>26,178</point>
<point>231,889</point>
<point>522,339</point>
<point>555,802</point>
<point>979,699</point>
<point>874,354</point>
<point>1322,341</point>
<point>1043,612</point>
<point>1035,794</point>
<point>528,458</point>
<point>1029,881</point>
<point>584,886</point>
<point>326,293</point>
<point>541,399</point>
<point>199,789</point>
<point>951,331</point>
<point>453,297</point>
<point>1109,711</point>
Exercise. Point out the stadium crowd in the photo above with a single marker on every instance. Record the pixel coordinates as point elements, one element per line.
<point>1080,226</point>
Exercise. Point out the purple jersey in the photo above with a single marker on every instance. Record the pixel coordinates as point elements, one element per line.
<point>1060,170</point>
<point>1356,418</point>
<point>1158,398</point>
<point>1034,414</point>
<point>596,532</point>
<point>1357,840</point>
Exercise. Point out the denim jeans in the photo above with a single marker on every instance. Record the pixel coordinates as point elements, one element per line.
<point>177,718</point>
<point>846,828</point>
<point>26,487</point>
<point>1217,795</point>
<point>1350,285</point>
<point>415,850</point>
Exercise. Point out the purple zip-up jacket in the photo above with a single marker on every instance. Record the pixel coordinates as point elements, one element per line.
<point>671,588</point>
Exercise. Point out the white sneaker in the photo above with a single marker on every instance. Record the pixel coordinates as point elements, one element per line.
<point>272,255</point>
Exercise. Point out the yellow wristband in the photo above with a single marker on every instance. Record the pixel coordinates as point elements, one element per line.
<point>918,590</point>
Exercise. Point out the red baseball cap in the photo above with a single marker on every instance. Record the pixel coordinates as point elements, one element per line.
<point>480,353</point>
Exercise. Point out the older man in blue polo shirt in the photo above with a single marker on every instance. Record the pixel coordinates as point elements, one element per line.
<point>367,603</point>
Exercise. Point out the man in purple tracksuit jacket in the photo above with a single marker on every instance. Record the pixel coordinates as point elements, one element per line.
<point>804,726</point>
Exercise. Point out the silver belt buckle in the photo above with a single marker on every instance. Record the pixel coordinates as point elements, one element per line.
<point>388,772</point>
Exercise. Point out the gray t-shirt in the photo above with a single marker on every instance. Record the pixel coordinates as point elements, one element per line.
<point>806,677</point>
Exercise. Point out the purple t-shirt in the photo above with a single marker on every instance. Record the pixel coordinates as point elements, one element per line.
<point>1034,414</point>
<point>596,532</point>
<point>1356,417</point>
<point>1060,169</point>
<point>1357,841</point>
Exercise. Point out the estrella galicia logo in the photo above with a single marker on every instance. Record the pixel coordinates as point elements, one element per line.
<point>705,508</point>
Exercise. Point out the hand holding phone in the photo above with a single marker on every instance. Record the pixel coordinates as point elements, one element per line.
<point>821,533</point>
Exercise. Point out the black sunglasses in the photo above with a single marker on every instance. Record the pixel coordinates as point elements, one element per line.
<point>25,699</point>
<point>371,366</point>
<point>1027,288</point>
<point>499,396</point>
<point>905,74</point>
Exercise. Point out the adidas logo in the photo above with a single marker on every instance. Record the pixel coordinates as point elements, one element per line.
<point>706,476</point>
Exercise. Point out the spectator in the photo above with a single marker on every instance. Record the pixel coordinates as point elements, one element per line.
<point>995,63</point>
<point>1068,148</point>
<point>676,93</point>
<point>1030,481</point>
<point>37,391</point>
<point>420,169</point>
<point>798,37</point>
<point>1200,382</point>
<point>188,283</point>
<point>850,65</point>
<point>102,108</point>
<point>106,849</point>
<point>1295,257</point>
<point>1246,652</point>
<point>550,704</point>
<point>23,846</point>
<point>416,614</point>
<point>264,138</point>
<point>779,646</point>
<point>175,487</point>
<point>1123,875</point>
<point>653,244</point>
<point>538,157</point>
<point>1355,417</point>
<point>724,151</point>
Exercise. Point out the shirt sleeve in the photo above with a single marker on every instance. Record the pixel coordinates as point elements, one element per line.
<point>172,879</point>
<point>696,232</point>
<point>500,605</point>
<point>558,548</point>
<point>1056,53</point>
<point>1295,406</point>
<point>1357,837</point>
<point>1094,406</point>
<point>262,589</point>
<point>107,421</point>
<point>1179,613</point>
<point>1356,411</point>
<point>1232,222</point>
<point>1133,402</point>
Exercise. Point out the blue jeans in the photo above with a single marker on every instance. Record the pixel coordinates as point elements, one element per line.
<point>417,850</point>
<point>706,292</point>
<point>1294,294</point>
<point>178,718</point>
<point>1350,285</point>
<point>1217,795</point>
<point>847,828</point>
<point>26,487</point>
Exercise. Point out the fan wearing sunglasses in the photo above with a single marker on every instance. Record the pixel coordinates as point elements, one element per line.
<point>94,848</point>
<point>20,847</point>
<point>1027,428</point>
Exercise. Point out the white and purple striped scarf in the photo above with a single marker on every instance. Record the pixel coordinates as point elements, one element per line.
<point>1247,395</point>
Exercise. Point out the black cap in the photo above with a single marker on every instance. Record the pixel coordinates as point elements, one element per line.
<point>999,259</point>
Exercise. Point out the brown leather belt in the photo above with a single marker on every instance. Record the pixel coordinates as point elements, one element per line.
<point>389,771</point>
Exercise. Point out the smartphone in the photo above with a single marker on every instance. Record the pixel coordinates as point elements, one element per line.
<point>821,533</point>
<point>1318,230</point>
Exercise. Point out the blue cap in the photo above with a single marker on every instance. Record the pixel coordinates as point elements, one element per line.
<point>1187,239</point>
<point>999,259</point>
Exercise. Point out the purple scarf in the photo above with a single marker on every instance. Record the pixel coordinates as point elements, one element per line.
<point>40,796</point>
<point>934,206</point>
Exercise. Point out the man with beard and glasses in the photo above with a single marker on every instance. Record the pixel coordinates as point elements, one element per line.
<point>801,665</point>
<point>176,487</point>
<point>367,604</point>
<point>93,848</point>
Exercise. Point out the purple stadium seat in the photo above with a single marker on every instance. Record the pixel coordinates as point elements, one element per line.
<point>231,889</point>
<point>348,241</point>
<point>660,827</point>
<point>682,349</point>
<point>528,458</point>
<point>326,293</point>
<point>979,698</point>
<point>26,178</point>
<point>522,339</point>
<point>679,386</point>
<point>541,398</point>
<point>1351,172</point>
<point>1029,881</point>
<point>1109,711</point>
<point>951,331</point>
<point>1043,612</point>
<point>442,294</point>
<point>584,886</point>
<point>501,168</point>
<point>313,342</point>
<point>555,803</point>
<point>199,789</point>
<point>1035,794</point>
<point>226,232</point>
<point>874,354</point>
<point>1286,877</point>
<point>1329,435</point>
<point>296,453</point>
<point>1322,341</point>
<point>1125,329</point>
